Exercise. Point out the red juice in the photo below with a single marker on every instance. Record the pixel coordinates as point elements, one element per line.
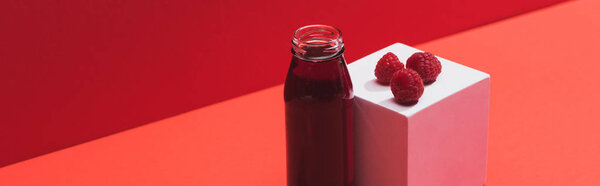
<point>318,106</point>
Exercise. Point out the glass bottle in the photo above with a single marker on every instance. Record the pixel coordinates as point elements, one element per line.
<point>318,107</point>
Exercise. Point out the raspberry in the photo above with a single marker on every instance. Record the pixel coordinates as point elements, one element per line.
<point>386,67</point>
<point>426,64</point>
<point>407,86</point>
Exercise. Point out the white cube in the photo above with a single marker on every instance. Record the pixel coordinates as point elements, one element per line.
<point>440,141</point>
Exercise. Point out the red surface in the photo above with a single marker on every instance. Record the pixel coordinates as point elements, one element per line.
<point>231,143</point>
<point>72,71</point>
<point>543,124</point>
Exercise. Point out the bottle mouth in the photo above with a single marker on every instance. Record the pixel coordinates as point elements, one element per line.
<point>317,42</point>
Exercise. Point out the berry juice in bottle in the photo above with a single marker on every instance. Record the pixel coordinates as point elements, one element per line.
<point>318,108</point>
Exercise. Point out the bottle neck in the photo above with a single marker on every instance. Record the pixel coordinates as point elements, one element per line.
<point>317,43</point>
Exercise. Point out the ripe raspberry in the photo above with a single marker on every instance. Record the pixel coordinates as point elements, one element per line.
<point>426,64</point>
<point>407,86</point>
<point>386,67</point>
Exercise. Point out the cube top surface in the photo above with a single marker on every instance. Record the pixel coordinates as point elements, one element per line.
<point>454,77</point>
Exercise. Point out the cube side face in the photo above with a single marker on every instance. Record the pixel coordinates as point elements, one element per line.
<point>447,142</point>
<point>380,145</point>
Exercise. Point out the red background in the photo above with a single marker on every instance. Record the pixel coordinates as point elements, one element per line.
<point>72,71</point>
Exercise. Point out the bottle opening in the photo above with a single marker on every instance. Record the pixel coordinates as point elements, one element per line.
<point>317,42</point>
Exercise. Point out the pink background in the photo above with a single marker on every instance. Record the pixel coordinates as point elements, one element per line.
<point>72,71</point>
